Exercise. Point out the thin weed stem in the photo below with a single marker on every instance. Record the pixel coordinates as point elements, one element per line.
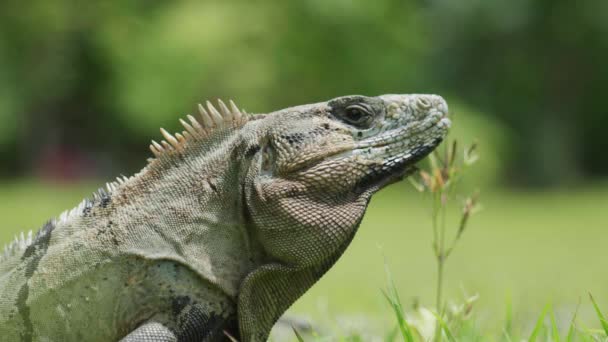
<point>444,171</point>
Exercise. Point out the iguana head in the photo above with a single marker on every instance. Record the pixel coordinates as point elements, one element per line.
<point>319,164</point>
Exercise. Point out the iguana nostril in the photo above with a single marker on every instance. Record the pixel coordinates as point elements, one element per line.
<point>423,103</point>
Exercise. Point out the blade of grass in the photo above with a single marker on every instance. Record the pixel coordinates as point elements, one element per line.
<point>393,299</point>
<point>230,338</point>
<point>444,328</point>
<point>508,315</point>
<point>587,338</point>
<point>595,334</point>
<point>599,315</point>
<point>554,330</point>
<point>572,329</point>
<point>390,337</point>
<point>587,334</point>
<point>507,336</point>
<point>539,325</point>
<point>403,326</point>
<point>298,336</point>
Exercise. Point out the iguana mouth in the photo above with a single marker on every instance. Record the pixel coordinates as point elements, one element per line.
<point>390,173</point>
<point>401,164</point>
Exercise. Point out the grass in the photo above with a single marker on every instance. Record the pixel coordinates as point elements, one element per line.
<point>537,247</point>
<point>533,247</point>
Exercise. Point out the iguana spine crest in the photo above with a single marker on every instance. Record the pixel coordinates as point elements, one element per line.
<point>211,120</point>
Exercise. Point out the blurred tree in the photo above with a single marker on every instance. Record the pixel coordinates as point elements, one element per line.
<point>537,65</point>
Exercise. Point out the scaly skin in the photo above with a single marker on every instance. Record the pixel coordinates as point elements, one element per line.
<point>232,221</point>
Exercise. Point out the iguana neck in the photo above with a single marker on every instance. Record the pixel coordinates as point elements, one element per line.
<point>189,207</point>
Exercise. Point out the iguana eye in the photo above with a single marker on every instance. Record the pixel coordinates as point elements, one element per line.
<point>357,114</point>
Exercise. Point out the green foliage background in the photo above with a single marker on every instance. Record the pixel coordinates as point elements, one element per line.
<point>103,76</point>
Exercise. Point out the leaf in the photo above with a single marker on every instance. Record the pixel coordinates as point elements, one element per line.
<point>539,325</point>
<point>390,337</point>
<point>599,314</point>
<point>426,178</point>
<point>572,329</point>
<point>393,299</point>
<point>298,336</point>
<point>433,157</point>
<point>452,154</point>
<point>439,181</point>
<point>508,316</point>
<point>470,155</point>
<point>419,187</point>
<point>406,332</point>
<point>445,328</point>
<point>554,330</point>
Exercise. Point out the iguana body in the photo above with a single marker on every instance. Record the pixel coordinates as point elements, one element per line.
<point>226,227</point>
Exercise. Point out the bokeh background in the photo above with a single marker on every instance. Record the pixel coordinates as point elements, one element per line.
<point>84,86</point>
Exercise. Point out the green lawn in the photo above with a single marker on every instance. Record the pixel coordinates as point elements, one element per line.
<point>532,247</point>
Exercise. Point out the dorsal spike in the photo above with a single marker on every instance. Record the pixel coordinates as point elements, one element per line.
<point>235,110</point>
<point>187,135</point>
<point>180,138</point>
<point>207,119</point>
<point>226,113</point>
<point>197,126</point>
<point>155,150</point>
<point>215,115</point>
<point>188,127</point>
<point>166,146</point>
<point>228,116</point>
<point>170,138</point>
<point>157,146</point>
<point>22,244</point>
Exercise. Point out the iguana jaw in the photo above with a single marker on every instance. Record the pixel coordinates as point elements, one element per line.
<point>395,158</point>
<point>397,172</point>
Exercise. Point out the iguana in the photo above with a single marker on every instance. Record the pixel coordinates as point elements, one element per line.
<point>229,223</point>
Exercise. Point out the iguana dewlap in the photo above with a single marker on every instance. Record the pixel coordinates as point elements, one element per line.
<point>229,223</point>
